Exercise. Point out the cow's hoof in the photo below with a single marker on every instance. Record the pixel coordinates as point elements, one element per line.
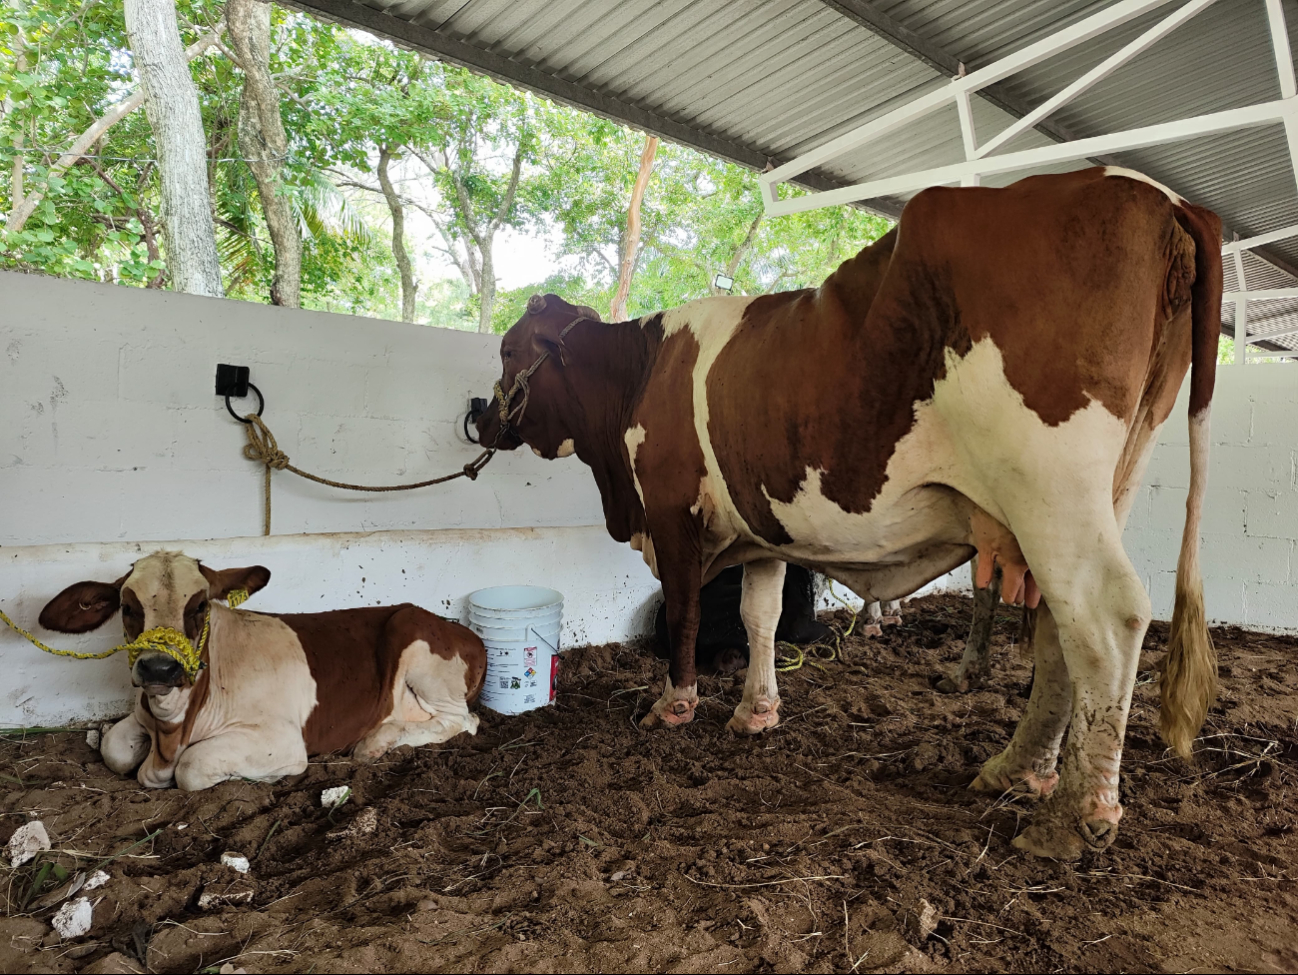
<point>889,621</point>
<point>872,629</point>
<point>753,720</point>
<point>671,716</point>
<point>998,778</point>
<point>1068,836</point>
<point>949,685</point>
<point>1051,840</point>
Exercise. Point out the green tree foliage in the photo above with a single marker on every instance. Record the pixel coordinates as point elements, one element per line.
<point>456,140</point>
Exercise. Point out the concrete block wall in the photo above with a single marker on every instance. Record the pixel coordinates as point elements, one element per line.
<point>113,443</point>
<point>1250,524</point>
<point>113,433</point>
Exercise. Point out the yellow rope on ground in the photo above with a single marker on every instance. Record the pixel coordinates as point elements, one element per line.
<point>786,664</point>
<point>161,639</point>
<point>262,447</point>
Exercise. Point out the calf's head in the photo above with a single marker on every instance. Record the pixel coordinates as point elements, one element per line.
<point>536,410</point>
<point>162,590</point>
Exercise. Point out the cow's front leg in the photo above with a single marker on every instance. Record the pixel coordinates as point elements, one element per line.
<point>125,745</point>
<point>262,754</point>
<point>682,577</point>
<point>760,607</point>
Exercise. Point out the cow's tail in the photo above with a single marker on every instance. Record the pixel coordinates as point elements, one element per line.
<point>1189,681</point>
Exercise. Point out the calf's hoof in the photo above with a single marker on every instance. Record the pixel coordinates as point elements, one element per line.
<point>753,719</point>
<point>375,746</point>
<point>872,629</point>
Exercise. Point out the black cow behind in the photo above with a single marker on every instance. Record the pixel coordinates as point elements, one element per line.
<point>722,645</point>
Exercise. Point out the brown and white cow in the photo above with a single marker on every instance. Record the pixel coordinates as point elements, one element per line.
<point>276,688</point>
<point>988,377</point>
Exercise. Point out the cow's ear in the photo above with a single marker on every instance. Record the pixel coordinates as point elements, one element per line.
<point>222,582</point>
<point>83,606</point>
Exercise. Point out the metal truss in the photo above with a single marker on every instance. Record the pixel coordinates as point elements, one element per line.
<point>984,159</point>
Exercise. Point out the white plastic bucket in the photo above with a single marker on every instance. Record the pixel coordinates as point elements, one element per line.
<point>520,627</point>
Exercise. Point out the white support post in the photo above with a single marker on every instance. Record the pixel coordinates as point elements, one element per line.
<point>965,111</point>
<point>1241,311</point>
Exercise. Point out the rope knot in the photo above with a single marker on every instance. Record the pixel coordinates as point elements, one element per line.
<point>261,445</point>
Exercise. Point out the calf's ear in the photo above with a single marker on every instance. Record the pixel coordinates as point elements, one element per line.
<point>83,606</point>
<point>222,582</point>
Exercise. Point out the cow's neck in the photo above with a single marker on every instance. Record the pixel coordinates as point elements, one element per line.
<point>855,282</point>
<point>609,366</point>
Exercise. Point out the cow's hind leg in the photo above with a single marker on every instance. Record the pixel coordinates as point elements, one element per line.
<point>435,686</point>
<point>1027,766</point>
<point>1101,611</point>
<point>975,664</point>
<point>760,608</point>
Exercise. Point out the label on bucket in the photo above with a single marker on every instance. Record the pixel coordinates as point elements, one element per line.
<point>518,678</point>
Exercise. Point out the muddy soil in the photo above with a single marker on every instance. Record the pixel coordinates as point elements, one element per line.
<point>567,840</point>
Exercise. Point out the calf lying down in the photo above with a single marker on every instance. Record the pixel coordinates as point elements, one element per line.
<point>271,689</point>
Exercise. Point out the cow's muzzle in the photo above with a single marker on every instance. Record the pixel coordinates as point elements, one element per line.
<point>492,432</point>
<point>157,672</point>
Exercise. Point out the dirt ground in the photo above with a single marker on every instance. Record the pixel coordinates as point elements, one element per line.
<point>567,840</point>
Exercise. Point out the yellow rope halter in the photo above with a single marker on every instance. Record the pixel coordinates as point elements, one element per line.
<point>160,639</point>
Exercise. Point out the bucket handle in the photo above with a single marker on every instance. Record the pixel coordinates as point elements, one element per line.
<point>532,630</point>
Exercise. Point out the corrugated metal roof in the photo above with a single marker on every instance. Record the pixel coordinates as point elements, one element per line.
<point>765,80</point>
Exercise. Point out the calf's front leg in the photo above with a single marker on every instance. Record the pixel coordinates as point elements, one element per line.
<point>125,745</point>
<point>262,754</point>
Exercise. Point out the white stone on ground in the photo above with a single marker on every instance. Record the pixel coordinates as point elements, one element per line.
<point>74,918</point>
<point>235,861</point>
<point>26,841</point>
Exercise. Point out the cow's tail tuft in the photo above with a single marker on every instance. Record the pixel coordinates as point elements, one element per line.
<point>1189,681</point>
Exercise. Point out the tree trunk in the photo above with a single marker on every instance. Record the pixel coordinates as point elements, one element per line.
<point>263,144</point>
<point>397,208</point>
<point>487,287</point>
<point>741,251</point>
<point>22,211</point>
<point>171,102</point>
<point>631,242</point>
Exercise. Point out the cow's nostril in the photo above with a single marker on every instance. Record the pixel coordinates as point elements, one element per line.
<point>158,668</point>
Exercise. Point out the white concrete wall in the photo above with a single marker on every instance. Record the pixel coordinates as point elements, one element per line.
<point>113,444</point>
<point>609,595</point>
<point>112,431</point>
<point>1250,524</point>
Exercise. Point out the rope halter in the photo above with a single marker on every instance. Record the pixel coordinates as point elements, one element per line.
<point>160,639</point>
<point>509,415</point>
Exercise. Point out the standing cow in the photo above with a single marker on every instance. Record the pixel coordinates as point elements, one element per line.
<point>989,377</point>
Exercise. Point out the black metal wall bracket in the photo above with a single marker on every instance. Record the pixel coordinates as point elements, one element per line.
<point>233,381</point>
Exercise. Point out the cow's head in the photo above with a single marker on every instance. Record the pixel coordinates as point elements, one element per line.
<point>165,589</point>
<point>541,423</point>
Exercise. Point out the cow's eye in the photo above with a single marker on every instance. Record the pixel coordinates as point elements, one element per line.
<point>506,354</point>
<point>128,610</point>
